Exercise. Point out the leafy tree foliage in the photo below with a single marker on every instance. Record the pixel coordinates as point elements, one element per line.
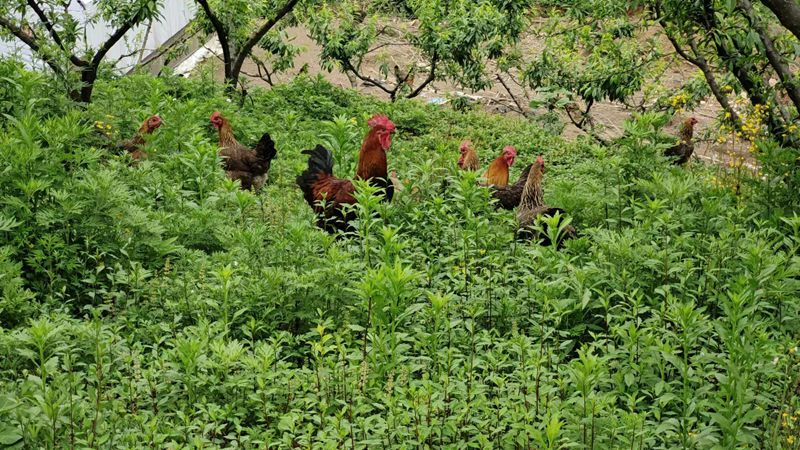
<point>241,25</point>
<point>54,35</point>
<point>453,39</point>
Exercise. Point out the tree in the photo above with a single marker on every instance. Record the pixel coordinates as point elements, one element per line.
<point>53,35</point>
<point>452,39</point>
<point>240,25</point>
<point>741,41</point>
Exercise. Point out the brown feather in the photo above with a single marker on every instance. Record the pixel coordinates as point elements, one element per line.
<point>497,173</point>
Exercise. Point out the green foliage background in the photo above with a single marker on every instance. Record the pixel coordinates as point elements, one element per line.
<point>158,305</point>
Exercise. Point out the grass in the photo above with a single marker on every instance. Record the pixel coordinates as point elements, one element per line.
<point>157,305</point>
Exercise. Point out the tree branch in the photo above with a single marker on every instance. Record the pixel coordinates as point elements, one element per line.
<point>581,125</point>
<point>31,42</point>
<point>429,80</point>
<point>775,59</point>
<point>222,35</point>
<point>54,34</point>
<point>701,63</point>
<point>244,51</point>
<point>348,66</point>
<point>524,111</point>
<point>788,13</point>
<point>114,38</point>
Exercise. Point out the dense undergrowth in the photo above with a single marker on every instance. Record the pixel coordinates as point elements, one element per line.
<point>157,305</point>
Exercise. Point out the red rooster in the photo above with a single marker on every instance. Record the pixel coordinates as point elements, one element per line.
<point>320,186</point>
<point>497,173</point>
<point>249,166</point>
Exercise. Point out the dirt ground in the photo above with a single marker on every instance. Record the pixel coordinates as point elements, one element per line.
<point>610,115</point>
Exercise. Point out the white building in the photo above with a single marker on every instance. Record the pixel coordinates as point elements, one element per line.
<point>139,44</point>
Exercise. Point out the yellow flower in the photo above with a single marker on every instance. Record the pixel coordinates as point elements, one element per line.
<point>790,440</point>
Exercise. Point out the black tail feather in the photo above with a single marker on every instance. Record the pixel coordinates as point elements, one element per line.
<point>320,161</point>
<point>265,149</point>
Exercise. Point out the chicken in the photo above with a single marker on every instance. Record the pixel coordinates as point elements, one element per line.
<point>133,146</point>
<point>532,207</point>
<point>508,197</point>
<point>684,149</point>
<point>469,159</point>
<point>249,166</point>
<point>327,195</point>
<point>497,173</point>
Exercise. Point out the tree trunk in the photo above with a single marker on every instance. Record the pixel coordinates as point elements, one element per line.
<point>788,13</point>
<point>774,57</point>
<point>88,77</point>
<point>243,52</point>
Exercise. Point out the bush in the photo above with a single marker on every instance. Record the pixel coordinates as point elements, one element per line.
<point>157,303</point>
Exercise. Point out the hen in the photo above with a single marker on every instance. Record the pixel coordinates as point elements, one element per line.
<point>684,149</point>
<point>469,159</point>
<point>532,207</point>
<point>328,195</point>
<point>249,166</point>
<point>497,173</point>
<point>133,146</point>
<point>508,197</point>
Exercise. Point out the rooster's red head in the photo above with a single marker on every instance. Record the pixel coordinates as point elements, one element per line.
<point>465,145</point>
<point>539,162</point>
<point>153,122</point>
<point>383,128</point>
<point>217,120</point>
<point>509,153</point>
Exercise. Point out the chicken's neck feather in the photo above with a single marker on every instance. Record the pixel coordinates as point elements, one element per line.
<point>371,158</point>
<point>533,194</point>
<point>226,138</point>
<point>686,133</point>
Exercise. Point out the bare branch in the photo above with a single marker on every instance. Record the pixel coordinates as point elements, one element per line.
<point>222,35</point>
<point>524,111</point>
<point>244,51</point>
<point>775,59</point>
<point>348,66</point>
<point>429,80</point>
<point>54,34</point>
<point>30,40</point>
<point>114,38</point>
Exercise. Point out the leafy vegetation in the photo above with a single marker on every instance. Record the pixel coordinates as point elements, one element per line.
<point>156,304</point>
<point>57,37</point>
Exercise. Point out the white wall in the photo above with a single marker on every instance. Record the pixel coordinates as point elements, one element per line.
<point>175,14</point>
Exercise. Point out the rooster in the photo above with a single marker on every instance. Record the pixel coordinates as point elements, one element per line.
<point>683,150</point>
<point>508,197</point>
<point>497,173</point>
<point>320,186</point>
<point>133,146</point>
<point>469,159</point>
<point>249,166</point>
<point>532,207</point>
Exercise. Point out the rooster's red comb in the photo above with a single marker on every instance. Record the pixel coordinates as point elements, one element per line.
<point>465,144</point>
<point>215,115</point>
<point>510,149</point>
<point>539,160</point>
<point>380,120</point>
